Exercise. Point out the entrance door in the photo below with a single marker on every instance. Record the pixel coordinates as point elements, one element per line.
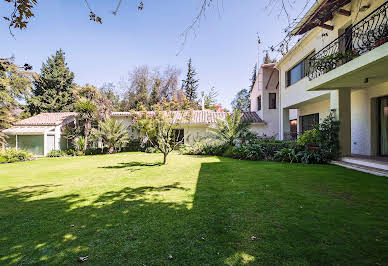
<point>383,126</point>
<point>50,143</point>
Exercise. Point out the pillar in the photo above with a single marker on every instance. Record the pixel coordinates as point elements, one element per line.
<point>284,123</point>
<point>340,101</point>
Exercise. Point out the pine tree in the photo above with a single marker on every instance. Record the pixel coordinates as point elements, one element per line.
<point>190,84</point>
<point>53,88</point>
<point>254,76</point>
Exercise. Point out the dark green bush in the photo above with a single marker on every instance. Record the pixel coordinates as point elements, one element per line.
<point>56,153</point>
<point>13,155</point>
<point>151,150</point>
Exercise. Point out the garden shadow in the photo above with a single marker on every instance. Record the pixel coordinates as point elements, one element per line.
<point>132,165</point>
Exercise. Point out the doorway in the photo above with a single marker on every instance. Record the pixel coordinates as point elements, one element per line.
<point>383,126</point>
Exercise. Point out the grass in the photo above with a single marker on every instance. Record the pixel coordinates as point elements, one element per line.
<point>129,209</point>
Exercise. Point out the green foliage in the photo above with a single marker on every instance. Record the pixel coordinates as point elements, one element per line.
<point>211,99</point>
<point>15,86</point>
<point>56,153</point>
<point>324,137</point>
<point>86,110</point>
<point>53,88</point>
<point>286,155</point>
<point>151,150</point>
<point>157,127</point>
<point>204,148</point>
<point>242,101</point>
<point>13,155</point>
<point>190,84</point>
<point>309,138</point>
<point>254,152</point>
<point>231,129</point>
<point>253,78</point>
<point>113,134</point>
<point>79,143</point>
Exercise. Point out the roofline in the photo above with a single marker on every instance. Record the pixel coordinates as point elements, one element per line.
<point>307,16</point>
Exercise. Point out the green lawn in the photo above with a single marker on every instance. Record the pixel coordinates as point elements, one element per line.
<point>129,209</point>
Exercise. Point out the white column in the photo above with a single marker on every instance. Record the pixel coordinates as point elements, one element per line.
<point>45,144</point>
<point>16,142</point>
<point>340,102</point>
<point>284,122</point>
<point>57,140</point>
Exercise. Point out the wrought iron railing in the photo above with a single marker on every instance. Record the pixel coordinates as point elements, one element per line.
<point>366,35</point>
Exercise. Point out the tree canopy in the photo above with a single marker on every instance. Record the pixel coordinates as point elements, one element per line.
<point>53,88</point>
<point>242,101</point>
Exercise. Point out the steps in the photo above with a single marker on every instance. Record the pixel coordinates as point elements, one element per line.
<point>367,165</point>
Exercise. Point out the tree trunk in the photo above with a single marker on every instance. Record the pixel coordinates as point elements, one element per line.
<point>165,158</point>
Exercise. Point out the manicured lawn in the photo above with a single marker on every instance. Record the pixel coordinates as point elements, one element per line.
<point>128,209</point>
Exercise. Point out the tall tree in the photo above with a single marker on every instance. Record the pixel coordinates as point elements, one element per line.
<point>211,99</point>
<point>268,60</point>
<point>190,84</point>
<point>53,88</point>
<point>253,78</point>
<point>87,111</point>
<point>242,101</point>
<point>15,85</point>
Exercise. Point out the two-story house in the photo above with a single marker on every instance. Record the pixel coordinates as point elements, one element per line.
<point>340,64</point>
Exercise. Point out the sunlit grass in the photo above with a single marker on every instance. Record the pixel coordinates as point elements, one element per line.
<point>128,209</point>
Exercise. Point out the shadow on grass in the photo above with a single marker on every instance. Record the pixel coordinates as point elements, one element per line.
<point>236,217</point>
<point>132,164</point>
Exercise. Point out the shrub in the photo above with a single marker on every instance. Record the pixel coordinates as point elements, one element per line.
<point>56,153</point>
<point>204,148</point>
<point>286,155</point>
<point>151,150</point>
<point>252,152</point>
<point>309,138</point>
<point>13,155</point>
<point>96,151</point>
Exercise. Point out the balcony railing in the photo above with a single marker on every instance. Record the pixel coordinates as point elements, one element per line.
<point>366,35</point>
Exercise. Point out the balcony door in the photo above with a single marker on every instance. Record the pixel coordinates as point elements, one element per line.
<point>383,125</point>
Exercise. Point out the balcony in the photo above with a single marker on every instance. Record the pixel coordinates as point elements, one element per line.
<point>368,34</point>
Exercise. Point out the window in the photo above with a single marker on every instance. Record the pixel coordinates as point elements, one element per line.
<point>307,122</point>
<point>272,100</point>
<point>259,103</point>
<point>178,135</point>
<point>299,71</point>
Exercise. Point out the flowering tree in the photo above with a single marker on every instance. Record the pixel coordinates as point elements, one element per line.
<point>158,127</point>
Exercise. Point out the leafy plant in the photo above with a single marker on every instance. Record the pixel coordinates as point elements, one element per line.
<point>113,134</point>
<point>286,155</point>
<point>56,153</point>
<point>231,129</point>
<point>79,143</point>
<point>309,138</point>
<point>13,155</point>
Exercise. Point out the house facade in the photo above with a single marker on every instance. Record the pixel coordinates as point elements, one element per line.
<point>340,65</point>
<point>197,124</point>
<point>41,133</point>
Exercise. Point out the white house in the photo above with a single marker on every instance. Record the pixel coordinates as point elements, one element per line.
<point>265,100</point>
<point>340,64</point>
<point>41,133</point>
<point>196,126</point>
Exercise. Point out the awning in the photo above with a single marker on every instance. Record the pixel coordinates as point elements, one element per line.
<point>24,130</point>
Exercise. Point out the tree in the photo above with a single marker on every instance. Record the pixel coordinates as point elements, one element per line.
<point>190,84</point>
<point>253,78</point>
<point>211,99</point>
<point>86,110</point>
<point>158,127</point>
<point>268,60</point>
<point>242,101</point>
<point>53,88</point>
<point>113,134</point>
<point>15,85</point>
<point>230,129</point>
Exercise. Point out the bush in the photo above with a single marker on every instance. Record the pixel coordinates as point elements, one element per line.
<point>151,150</point>
<point>287,155</point>
<point>252,152</point>
<point>204,148</point>
<point>309,138</point>
<point>56,153</point>
<point>13,155</point>
<point>96,151</point>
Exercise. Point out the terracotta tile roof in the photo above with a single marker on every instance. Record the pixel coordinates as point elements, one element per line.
<point>46,119</point>
<point>202,117</point>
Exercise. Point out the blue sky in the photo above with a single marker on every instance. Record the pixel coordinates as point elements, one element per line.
<point>223,51</point>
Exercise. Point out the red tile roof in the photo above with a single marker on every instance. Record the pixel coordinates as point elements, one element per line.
<point>202,117</point>
<point>46,119</point>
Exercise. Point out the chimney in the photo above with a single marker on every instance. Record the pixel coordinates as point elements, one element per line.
<point>203,100</point>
